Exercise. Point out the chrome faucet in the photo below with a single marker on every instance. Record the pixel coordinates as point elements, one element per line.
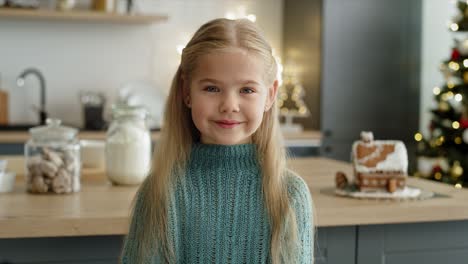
<point>20,82</point>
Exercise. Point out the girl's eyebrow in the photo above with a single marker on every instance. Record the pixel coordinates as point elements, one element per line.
<point>209,80</point>
<point>251,82</point>
<point>220,82</point>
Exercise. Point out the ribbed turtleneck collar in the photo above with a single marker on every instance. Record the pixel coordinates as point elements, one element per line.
<point>240,156</point>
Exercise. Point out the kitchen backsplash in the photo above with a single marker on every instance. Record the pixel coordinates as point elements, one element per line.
<point>76,56</point>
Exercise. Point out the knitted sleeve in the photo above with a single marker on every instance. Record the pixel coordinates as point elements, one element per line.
<point>301,201</point>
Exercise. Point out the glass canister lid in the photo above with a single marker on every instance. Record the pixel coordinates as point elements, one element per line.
<point>53,131</point>
<point>124,110</point>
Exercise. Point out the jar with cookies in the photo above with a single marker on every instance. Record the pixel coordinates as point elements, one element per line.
<point>52,157</point>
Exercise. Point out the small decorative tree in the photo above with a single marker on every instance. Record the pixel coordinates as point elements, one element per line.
<point>290,102</point>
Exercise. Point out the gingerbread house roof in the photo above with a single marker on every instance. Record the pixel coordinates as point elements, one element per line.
<point>379,156</point>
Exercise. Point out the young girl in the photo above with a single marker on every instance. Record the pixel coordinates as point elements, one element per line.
<point>219,191</point>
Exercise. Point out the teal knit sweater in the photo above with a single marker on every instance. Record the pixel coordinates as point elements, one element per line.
<point>217,213</point>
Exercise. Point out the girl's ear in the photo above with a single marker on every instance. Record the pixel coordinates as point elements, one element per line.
<point>271,97</point>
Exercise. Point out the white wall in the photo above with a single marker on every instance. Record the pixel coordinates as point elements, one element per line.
<point>437,43</point>
<point>101,57</point>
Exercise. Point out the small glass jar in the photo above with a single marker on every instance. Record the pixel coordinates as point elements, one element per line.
<point>128,146</point>
<point>52,156</point>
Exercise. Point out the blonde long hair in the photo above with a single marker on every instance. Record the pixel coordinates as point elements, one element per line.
<point>179,134</point>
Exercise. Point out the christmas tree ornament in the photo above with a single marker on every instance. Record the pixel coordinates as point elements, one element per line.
<point>465,136</point>
<point>456,170</point>
<point>465,77</point>
<point>437,132</point>
<point>455,56</point>
<point>463,121</point>
<point>462,46</point>
<point>456,105</point>
<point>450,84</point>
<point>454,66</point>
<point>444,69</point>
<point>440,141</point>
<point>453,80</point>
<point>428,166</point>
<point>444,106</point>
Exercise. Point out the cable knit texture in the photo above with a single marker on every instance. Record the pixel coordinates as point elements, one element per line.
<point>217,213</point>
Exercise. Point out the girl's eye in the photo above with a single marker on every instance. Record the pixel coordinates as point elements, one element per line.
<point>247,90</point>
<point>211,89</point>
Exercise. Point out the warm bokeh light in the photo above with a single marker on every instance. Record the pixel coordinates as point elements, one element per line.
<point>418,136</point>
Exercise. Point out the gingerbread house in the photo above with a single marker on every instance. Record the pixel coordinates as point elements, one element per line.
<point>379,165</point>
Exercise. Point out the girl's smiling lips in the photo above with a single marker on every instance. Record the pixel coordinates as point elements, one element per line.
<point>226,123</point>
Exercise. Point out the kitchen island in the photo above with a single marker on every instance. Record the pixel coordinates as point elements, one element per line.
<point>88,227</point>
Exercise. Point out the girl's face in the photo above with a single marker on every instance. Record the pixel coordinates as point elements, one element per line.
<point>228,96</point>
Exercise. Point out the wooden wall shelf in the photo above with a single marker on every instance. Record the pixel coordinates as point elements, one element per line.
<point>79,16</point>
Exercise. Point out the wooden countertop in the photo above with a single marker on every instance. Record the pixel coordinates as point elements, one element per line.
<point>103,209</point>
<point>21,137</point>
<point>308,138</point>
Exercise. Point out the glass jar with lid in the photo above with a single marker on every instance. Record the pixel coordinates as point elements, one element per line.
<point>128,146</point>
<point>52,156</point>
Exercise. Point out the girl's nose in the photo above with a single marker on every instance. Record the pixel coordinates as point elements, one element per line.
<point>230,103</point>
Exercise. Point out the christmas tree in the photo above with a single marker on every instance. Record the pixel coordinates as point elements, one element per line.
<point>443,154</point>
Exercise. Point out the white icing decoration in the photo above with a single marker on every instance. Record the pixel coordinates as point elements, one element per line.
<point>396,161</point>
<point>367,136</point>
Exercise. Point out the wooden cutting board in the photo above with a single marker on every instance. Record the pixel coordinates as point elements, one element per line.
<point>3,108</point>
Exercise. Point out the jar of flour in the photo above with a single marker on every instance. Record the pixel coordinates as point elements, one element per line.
<point>128,146</point>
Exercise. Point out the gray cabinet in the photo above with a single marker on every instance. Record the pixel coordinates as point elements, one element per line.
<point>335,245</point>
<point>58,250</point>
<point>11,149</point>
<point>429,243</point>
